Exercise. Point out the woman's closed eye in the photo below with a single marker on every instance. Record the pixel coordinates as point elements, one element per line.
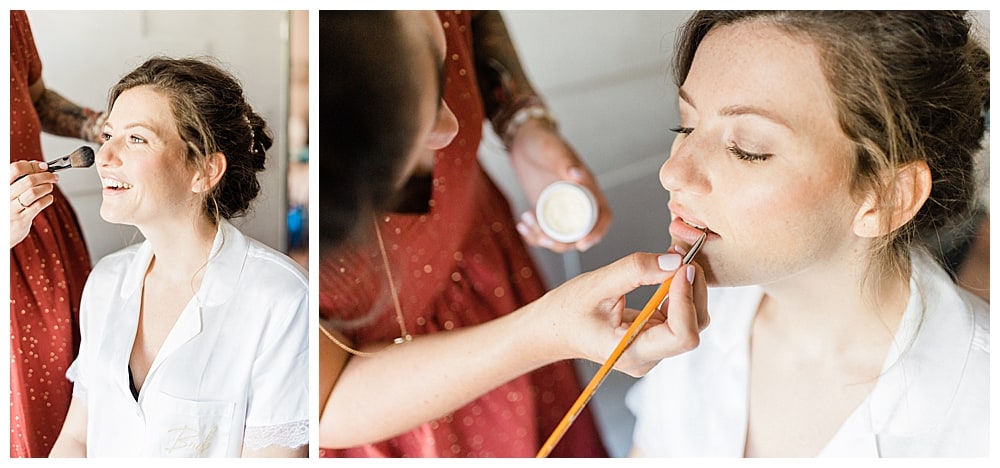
<point>732,148</point>
<point>746,155</point>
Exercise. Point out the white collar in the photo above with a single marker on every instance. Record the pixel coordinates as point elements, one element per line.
<point>918,383</point>
<point>225,266</point>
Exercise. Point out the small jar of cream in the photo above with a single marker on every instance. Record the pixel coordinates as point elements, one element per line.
<point>566,211</point>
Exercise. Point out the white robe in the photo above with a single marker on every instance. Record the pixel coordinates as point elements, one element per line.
<point>233,369</point>
<point>932,399</point>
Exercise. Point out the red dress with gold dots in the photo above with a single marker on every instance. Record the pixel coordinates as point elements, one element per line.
<point>47,272</point>
<point>461,264</point>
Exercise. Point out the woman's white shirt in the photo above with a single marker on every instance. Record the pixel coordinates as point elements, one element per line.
<point>232,371</point>
<point>931,400</point>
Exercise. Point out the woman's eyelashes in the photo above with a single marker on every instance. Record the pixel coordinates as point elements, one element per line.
<point>732,148</point>
<point>746,155</point>
<point>134,139</point>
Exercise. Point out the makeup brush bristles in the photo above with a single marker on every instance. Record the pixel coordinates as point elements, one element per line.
<point>81,157</point>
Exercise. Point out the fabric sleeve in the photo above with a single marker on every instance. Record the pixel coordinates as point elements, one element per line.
<point>278,410</point>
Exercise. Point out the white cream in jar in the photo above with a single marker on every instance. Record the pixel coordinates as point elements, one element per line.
<point>566,212</point>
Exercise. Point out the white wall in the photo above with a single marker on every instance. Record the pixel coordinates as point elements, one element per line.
<point>84,53</point>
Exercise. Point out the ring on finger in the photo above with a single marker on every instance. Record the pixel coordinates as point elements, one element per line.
<point>18,198</point>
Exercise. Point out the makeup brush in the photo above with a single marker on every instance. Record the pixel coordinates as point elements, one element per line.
<point>654,303</point>
<point>80,157</point>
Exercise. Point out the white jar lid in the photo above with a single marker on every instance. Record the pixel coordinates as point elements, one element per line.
<point>566,212</point>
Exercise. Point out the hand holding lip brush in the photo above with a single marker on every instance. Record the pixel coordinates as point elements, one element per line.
<point>640,321</point>
<point>80,157</point>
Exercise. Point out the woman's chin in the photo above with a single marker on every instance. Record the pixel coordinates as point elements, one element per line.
<point>110,216</point>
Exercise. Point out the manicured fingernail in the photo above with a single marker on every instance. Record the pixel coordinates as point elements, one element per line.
<point>545,242</point>
<point>523,229</point>
<point>576,173</point>
<point>43,166</point>
<point>680,250</point>
<point>669,262</point>
<point>690,274</point>
<point>527,219</point>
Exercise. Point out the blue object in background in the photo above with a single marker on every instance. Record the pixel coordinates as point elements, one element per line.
<point>296,227</point>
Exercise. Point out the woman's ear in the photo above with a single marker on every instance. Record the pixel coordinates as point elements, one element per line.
<point>908,191</point>
<point>215,167</point>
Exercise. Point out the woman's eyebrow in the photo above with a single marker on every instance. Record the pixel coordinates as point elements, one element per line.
<point>747,109</point>
<point>142,124</point>
<point>736,110</point>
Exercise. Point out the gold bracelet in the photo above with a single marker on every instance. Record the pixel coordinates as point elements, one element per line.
<point>523,115</point>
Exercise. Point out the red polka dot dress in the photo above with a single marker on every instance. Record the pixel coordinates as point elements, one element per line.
<point>47,272</point>
<point>461,264</point>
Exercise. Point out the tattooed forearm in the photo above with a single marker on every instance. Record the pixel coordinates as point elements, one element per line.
<point>503,83</point>
<point>60,116</point>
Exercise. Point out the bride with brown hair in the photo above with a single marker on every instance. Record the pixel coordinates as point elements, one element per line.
<point>817,146</point>
<point>194,342</point>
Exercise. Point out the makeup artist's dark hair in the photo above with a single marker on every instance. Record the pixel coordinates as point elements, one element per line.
<point>908,86</point>
<point>367,104</point>
<point>212,115</point>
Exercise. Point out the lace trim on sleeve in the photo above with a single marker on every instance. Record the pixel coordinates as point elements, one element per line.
<point>291,435</point>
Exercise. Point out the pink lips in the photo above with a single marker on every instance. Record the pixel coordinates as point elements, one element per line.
<point>683,226</point>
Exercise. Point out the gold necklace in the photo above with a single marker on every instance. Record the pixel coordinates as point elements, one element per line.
<point>404,336</point>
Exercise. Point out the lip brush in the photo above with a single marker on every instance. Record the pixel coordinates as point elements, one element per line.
<point>654,302</point>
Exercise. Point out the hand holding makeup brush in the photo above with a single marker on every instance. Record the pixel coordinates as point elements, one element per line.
<point>586,317</point>
<point>681,325</point>
<point>30,192</point>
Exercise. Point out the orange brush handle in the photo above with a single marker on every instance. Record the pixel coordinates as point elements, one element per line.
<point>602,373</point>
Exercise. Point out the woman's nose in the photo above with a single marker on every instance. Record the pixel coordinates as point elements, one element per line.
<point>106,155</point>
<point>684,170</point>
<point>444,130</point>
